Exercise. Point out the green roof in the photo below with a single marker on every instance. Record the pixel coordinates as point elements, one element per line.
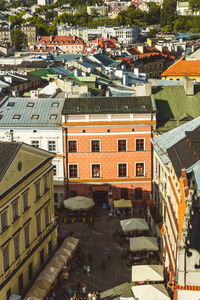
<point>174,107</point>
<point>103,105</point>
<point>44,72</point>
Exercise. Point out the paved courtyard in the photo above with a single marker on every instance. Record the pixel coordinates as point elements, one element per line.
<point>97,241</point>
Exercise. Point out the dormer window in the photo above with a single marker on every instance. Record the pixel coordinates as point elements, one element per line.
<point>35,117</point>
<point>16,117</point>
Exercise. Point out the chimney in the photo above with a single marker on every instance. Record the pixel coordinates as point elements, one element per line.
<point>188,85</point>
<point>141,49</point>
<point>143,90</point>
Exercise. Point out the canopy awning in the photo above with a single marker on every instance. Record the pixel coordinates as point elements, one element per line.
<point>122,203</point>
<point>117,292</point>
<point>147,273</point>
<point>78,203</point>
<point>143,243</point>
<point>150,292</point>
<point>46,278</point>
<point>134,224</point>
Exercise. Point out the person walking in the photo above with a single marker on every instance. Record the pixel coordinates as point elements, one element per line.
<point>94,297</point>
<point>88,270</point>
<point>102,266</point>
<point>89,296</point>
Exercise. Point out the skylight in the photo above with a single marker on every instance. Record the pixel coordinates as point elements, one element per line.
<point>30,104</point>
<point>1,116</point>
<point>11,104</point>
<point>35,117</point>
<point>16,117</point>
<point>53,117</point>
<point>55,104</point>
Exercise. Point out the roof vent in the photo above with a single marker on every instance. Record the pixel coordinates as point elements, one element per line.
<point>188,85</point>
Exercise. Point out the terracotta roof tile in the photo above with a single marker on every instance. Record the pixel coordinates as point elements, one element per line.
<point>183,67</point>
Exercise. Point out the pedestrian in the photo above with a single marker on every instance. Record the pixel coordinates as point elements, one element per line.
<point>94,297</point>
<point>69,292</point>
<point>98,295</point>
<point>102,266</point>
<point>89,296</point>
<point>88,270</point>
<point>85,270</point>
<point>84,291</point>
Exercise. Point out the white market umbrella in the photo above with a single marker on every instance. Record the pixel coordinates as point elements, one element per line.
<point>134,224</point>
<point>143,243</point>
<point>150,292</point>
<point>122,203</point>
<point>147,273</point>
<point>79,203</point>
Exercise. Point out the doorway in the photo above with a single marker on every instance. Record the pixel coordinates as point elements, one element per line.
<point>100,197</point>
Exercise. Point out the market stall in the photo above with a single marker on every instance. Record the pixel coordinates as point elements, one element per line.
<point>150,292</point>
<point>47,277</point>
<point>134,224</point>
<point>147,273</point>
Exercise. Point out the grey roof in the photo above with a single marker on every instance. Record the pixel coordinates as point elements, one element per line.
<point>20,112</point>
<point>165,141</point>
<point>105,60</point>
<point>8,151</point>
<point>102,105</point>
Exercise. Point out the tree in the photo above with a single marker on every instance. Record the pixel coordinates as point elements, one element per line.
<point>19,39</point>
<point>168,12</point>
<point>194,5</point>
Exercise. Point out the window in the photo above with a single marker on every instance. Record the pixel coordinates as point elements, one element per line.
<point>26,236</point>
<point>55,104</point>
<point>72,145</point>
<point>16,246</point>
<point>4,222</point>
<point>54,170</point>
<point>11,104</point>
<point>30,104</point>
<point>25,200</point>
<point>73,171</point>
<point>121,145</point>
<point>16,117</point>
<point>96,170</point>
<point>35,144</point>
<point>53,117</point>
<point>55,198</point>
<point>122,170</point>
<point>139,144</point>
<point>6,258</point>
<point>21,283</point>
<point>38,223</point>
<point>37,190</point>
<point>95,146</point>
<point>35,117</point>
<point>50,248</point>
<point>51,145</point>
<point>8,294</point>
<point>45,181</point>
<point>42,257</point>
<point>46,215</point>
<point>30,271</point>
<point>15,210</point>
<point>139,169</point>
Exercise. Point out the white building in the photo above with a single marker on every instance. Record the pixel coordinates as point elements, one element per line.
<point>66,30</point>
<point>126,35</point>
<point>36,121</point>
<point>44,2</point>
<point>183,9</point>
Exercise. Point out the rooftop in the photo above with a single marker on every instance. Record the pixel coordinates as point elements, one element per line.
<point>8,150</point>
<point>175,107</point>
<point>183,67</point>
<point>27,112</point>
<point>102,105</point>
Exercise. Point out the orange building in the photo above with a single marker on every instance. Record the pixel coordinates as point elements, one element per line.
<point>107,147</point>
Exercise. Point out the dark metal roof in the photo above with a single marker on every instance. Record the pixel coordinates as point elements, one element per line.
<point>103,105</point>
<point>8,151</point>
<point>184,153</point>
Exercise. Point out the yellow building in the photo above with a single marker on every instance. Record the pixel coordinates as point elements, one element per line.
<point>183,67</point>
<point>27,227</point>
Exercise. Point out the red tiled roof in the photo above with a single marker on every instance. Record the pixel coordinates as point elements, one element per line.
<point>63,40</point>
<point>183,67</point>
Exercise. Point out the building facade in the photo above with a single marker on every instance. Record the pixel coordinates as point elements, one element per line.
<point>28,228</point>
<point>37,122</point>
<point>31,32</point>
<point>175,191</point>
<point>107,148</point>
